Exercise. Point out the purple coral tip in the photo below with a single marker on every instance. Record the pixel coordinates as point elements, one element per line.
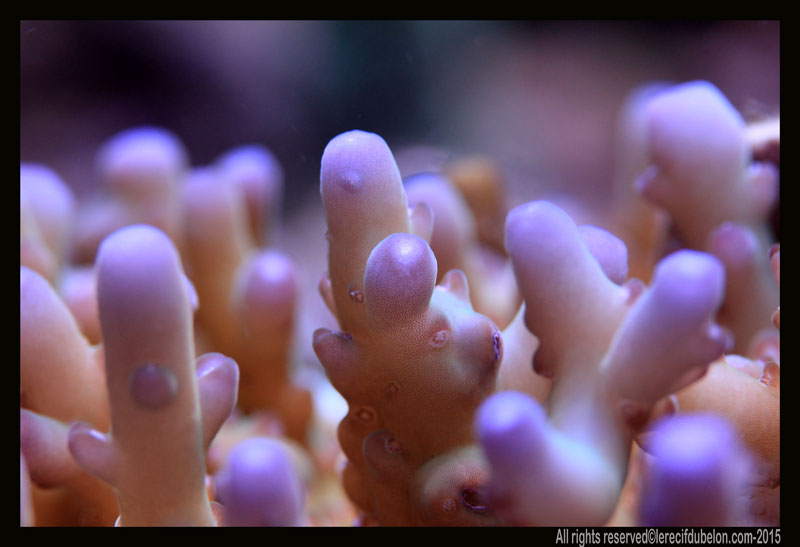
<point>691,284</point>
<point>134,251</point>
<point>137,158</point>
<point>352,160</point>
<point>698,473</point>
<point>508,425</point>
<point>250,164</point>
<point>46,189</point>
<point>535,222</point>
<point>692,126</point>
<point>268,288</point>
<point>259,486</point>
<point>400,276</point>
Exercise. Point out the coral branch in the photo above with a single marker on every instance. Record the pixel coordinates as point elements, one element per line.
<point>258,175</point>
<point>701,162</point>
<point>364,201</point>
<point>61,376</point>
<point>746,393</point>
<point>703,174</point>
<point>454,242</point>
<point>154,455</point>
<point>613,351</point>
<point>414,359</point>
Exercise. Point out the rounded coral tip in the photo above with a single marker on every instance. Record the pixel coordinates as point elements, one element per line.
<point>268,288</point>
<point>254,168</point>
<point>142,294</point>
<point>691,284</point>
<point>50,198</point>
<point>539,222</point>
<point>698,474</point>
<point>735,244</point>
<point>508,426</point>
<point>258,174</point>
<point>694,129</point>
<point>259,486</point>
<point>136,251</point>
<point>400,277</point>
<point>140,160</point>
<point>353,160</point>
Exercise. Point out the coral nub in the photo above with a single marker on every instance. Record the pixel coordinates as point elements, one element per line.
<point>153,386</point>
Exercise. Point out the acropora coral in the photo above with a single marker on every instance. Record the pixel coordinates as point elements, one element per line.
<point>497,363</point>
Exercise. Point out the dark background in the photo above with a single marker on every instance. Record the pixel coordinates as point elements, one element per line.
<point>539,96</point>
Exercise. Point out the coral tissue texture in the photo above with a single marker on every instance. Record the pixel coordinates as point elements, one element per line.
<point>445,356</point>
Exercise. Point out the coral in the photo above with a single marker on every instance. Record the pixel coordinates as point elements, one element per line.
<point>62,346</point>
<point>746,392</point>
<point>164,410</point>
<point>456,243</point>
<point>247,293</point>
<point>62,494</point>
<point>480,180</point>
<point>412,358</point>
<point>503,361</point>
<point>259,177</point>
<point>47,213</point>
<point>141,170</point>
<point>702,172</point>
<point>259,486</point>
<point>60,372</point>
<point>697,475</point>
<point>612,351</point>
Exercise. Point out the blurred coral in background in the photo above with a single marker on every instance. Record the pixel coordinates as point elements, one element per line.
<point>425,272</point>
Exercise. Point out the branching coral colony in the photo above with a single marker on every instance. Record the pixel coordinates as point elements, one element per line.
<point>500,366</point>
